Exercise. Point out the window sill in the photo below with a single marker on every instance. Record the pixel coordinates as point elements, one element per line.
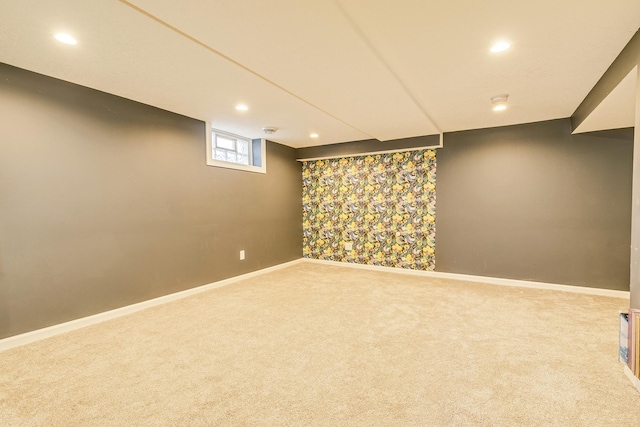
<point>228,165</point>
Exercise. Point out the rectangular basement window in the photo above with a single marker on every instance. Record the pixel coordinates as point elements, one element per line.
<point>227,150</point>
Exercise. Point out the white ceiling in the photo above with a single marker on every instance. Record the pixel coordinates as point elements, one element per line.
<point>346,69</point>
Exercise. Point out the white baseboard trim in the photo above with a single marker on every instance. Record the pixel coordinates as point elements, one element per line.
<point>481,279</point>
<point>634,380</point>
<point>29,337</point>
<point>39,334</point>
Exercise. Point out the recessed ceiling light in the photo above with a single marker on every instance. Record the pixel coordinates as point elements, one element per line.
<point>499,102</point>
<point>65,38</point>
<point>500,46</point>
<point>241,107</point>
<point>314,135</point>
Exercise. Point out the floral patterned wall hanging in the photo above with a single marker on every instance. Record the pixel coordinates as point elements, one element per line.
<point>384,204</point>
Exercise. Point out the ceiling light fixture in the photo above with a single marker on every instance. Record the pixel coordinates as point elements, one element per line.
<point>499,102</point>
<point>500,47</point>
<point>65,38</point>
<point>269,130</point>
<point>241,107</point>
<point>314,135</point>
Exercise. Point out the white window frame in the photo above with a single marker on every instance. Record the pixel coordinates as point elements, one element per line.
<point>230,165</point>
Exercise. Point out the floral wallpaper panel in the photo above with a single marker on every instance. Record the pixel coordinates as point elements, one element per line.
<point>384,204</point>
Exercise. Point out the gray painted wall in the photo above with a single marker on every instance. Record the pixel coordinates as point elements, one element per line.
<point>628,58</point>
<point>534,202</point>
<point>105,202</point>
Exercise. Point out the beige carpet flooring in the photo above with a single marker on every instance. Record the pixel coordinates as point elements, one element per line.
<point>332,346</point>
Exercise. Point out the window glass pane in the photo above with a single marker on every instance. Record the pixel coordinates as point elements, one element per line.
<point>243,147</point>
<point>223,142</point>
<point>243,159</point>
<point>220,155</point>
<point>231,156</point>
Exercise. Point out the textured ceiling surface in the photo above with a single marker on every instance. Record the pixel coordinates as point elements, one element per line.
<point>344,69</point>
